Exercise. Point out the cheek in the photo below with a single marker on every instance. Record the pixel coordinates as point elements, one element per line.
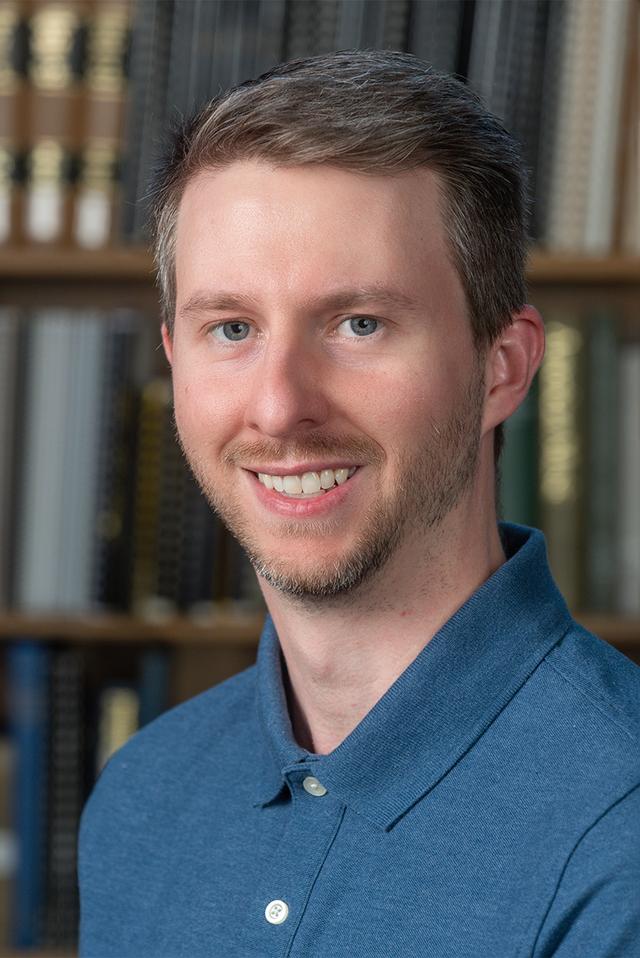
<point>206,412</point>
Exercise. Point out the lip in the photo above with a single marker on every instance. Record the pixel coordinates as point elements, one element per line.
<point>299,469</point>
<point>302,508</point>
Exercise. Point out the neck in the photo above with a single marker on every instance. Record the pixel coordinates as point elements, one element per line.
<point>341,657</point>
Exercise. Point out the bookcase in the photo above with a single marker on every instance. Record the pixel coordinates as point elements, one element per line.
<point>564,77</point>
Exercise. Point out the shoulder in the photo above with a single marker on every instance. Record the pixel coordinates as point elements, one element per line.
<point>196,739</point>
<point>607,682</point>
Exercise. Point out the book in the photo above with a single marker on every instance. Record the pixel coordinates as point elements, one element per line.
<point>13,65</point>
<point>105,86</point>
<point>153,683</point>
<point>435,32</point>
<point>28,667</point>
<point>40,483</point>
<point>56,61</point>
<point>119,707</point>
<point>65,797</point>
<point>519,463</point>
<point>601,460</point>
<point>9,359</point>
<point>628,531</point>
<point>607,133</point>
<point>561,455</point>
<point>111,529</point>
<point>569,175</point>
<point>8,838</point>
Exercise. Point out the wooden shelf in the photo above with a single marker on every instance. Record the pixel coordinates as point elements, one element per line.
<point>545,268</point>
<point>135,265</point>
<point>225,628</point>
<point>122,264</point>
<point>221,628</point>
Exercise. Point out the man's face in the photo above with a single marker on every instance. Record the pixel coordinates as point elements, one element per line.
<point>320,326</point>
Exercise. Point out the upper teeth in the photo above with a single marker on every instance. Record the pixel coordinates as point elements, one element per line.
<point>308,482</point>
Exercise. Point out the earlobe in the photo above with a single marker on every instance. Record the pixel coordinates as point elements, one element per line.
<point>167,343</point>
<point>515,358</point>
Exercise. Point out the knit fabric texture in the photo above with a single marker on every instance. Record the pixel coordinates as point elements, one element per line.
<point>488,806</point>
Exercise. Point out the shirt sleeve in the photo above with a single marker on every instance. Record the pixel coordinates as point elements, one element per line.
<point>595,912</point>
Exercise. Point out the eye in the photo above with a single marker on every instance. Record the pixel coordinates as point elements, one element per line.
<point>360,326</point>
<point>233,331</point>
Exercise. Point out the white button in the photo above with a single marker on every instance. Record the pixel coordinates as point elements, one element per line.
<point>276,912</point>
<point>313,786</point>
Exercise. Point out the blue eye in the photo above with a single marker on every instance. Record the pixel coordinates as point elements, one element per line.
<point>234,331</point>
<point>362,325</point>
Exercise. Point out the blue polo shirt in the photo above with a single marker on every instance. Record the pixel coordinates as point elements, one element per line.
<point>488,806</point>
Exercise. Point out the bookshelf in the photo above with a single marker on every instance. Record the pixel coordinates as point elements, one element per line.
<point>126,276</point>
<point>134,266</point>
<point>205,649</point>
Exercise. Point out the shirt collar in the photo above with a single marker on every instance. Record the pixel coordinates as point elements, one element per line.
<point>443,701</point>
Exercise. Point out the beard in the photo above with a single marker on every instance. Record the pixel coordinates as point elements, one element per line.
<point>430,482</point>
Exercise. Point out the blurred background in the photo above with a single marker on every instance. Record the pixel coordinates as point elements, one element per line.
<point>120,592</point>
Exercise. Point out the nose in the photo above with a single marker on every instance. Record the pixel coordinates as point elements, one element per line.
<point>288,395</point>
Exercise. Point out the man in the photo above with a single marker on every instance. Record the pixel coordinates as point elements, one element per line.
<point>430,758</point>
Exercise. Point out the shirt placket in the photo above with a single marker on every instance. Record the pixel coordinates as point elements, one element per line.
<point>285,888</point>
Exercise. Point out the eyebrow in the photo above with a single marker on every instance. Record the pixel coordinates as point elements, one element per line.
<point>223,301</point>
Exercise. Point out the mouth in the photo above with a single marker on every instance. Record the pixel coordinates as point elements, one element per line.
<point>282,498</point>
<point>307,485</point>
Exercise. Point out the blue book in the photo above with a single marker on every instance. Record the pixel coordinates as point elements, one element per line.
<point>154,684</point>
<point>28,668</point>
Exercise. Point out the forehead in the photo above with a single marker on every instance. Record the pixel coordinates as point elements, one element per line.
<point>277,229</point>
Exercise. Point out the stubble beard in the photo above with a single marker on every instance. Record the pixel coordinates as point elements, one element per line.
<point>430,484</point>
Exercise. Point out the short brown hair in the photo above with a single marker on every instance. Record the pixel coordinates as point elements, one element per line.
<point>371,111</point>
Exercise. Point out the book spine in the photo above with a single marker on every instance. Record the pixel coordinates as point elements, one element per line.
<point>8,839</point>
<point>601,460</point>
<point>28,670</point>
<point>9,333</point>
<point>57,31</point>
<point>65,798</point>
<point>628,566</point>
<point>111,560</point>
<point>519,463</point>
<point>154,400</point>
<point>105,83</point>
<point>118,719</point>
<point>607,130</point>
<point>561,453</point>
<point>13,61</point>
<point>153,686</point>
<point>50,354</point>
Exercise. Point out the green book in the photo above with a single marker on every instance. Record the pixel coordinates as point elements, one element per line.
<point>561,463</point>
<point>601,461</point>
<point>519,463</point>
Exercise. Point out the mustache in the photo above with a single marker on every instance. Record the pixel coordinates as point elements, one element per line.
<point>349,448</point>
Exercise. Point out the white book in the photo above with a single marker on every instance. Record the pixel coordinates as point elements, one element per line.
<point>569,175</point>
<point>8,357</point>
<point>81,441</point>
<point>607,132</point>
<point>49,359</point>
<point>628,576</point>
<point>630,239</point>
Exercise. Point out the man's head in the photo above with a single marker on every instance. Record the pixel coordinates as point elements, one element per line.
<point>356,196</point>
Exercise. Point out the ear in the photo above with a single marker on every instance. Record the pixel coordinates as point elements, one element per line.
<point>511,363</point>
<point>167,342</point>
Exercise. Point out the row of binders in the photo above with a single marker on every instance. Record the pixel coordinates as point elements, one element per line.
<point>89,88</point>
<point>98,510</point>
<point>572,457</point>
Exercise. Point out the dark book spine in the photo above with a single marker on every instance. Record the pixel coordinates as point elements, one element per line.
<point>66,774</point>
<point>28,672</point>
<point>112,537</point>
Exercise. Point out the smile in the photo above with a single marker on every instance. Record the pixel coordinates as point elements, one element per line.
<point>308,484</point>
